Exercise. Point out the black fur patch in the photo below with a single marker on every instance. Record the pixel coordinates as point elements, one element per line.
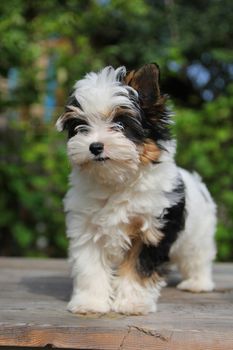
<point>133,129</point>
<point>70,125</point>
<point>72,101</point>
<point>154,124</point>
<point>152,258</point>
<point>157,124</point>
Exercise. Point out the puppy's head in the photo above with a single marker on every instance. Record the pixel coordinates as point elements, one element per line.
<point>116,123</point>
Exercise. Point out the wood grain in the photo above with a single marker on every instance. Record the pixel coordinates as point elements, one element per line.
<point>34,293</point>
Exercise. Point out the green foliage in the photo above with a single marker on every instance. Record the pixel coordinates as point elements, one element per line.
<point>86,35</point>
<point>205,145</point>
<point>34,179</point>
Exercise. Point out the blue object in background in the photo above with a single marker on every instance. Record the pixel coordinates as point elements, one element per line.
<point>50,98</point>
<point>13,77</point>
<point>12,83</point>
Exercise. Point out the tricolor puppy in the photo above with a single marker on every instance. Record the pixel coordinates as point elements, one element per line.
<point>130,210</point>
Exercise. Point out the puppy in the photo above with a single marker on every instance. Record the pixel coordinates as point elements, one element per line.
<point>130,210</point>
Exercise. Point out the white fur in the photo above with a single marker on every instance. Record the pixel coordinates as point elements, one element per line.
<point>132,298</point>
<point>99,93</point>
<point>195,248</point>
<point>105,195</point>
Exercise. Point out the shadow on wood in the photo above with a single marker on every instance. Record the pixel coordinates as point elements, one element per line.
<point>58,287</point>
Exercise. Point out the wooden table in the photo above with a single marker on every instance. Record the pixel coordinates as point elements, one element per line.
<point>34,294</point>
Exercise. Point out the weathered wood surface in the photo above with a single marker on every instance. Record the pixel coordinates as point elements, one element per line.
<point>34,293</point>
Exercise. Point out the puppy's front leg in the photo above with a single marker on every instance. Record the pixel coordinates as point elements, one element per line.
<point>135,292</point>
<point>91,285</point>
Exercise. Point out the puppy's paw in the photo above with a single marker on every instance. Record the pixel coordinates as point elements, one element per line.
<point>133,306</point>
<point>196,285</point>
<point>88,304</point>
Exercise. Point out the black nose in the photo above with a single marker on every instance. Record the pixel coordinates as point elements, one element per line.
<point>96,148</point>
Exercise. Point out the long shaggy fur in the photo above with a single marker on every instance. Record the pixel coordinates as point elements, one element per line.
<point>130,210</point>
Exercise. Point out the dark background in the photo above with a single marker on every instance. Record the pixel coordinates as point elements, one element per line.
<point>46,45</point>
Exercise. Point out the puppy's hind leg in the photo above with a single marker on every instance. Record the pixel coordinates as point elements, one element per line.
<point>194,249</point>
<point>194,259</point>
<point>198,278</point>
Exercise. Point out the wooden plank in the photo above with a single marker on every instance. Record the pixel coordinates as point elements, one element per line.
<point>34,294</point>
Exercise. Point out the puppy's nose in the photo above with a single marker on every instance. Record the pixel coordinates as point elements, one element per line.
<point>96,148</point>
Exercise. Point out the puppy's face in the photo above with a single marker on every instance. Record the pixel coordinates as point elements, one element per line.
<point>110,118</point>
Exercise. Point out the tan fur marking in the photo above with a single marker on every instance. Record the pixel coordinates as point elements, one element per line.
<point>152,237</point>
<point>135,230</point>
<point>150,152</point>
<point>74,112</point>
<point>129,77</point>
<point>121,111</point>
<point>138,237</point>
<point>128,267</point>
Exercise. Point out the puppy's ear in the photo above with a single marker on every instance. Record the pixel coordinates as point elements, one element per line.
<point>72,110</point>
<point>60,123</point>
<point>156,116</point>
<point>65,118</point>
<point>146,82</point>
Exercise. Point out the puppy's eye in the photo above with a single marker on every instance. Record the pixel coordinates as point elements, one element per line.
<point>117,126</point>
<point>82,129</point>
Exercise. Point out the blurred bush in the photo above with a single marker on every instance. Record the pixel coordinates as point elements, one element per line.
<point>47,45</point>
<point>33,183</point>
<point>205,145</point>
